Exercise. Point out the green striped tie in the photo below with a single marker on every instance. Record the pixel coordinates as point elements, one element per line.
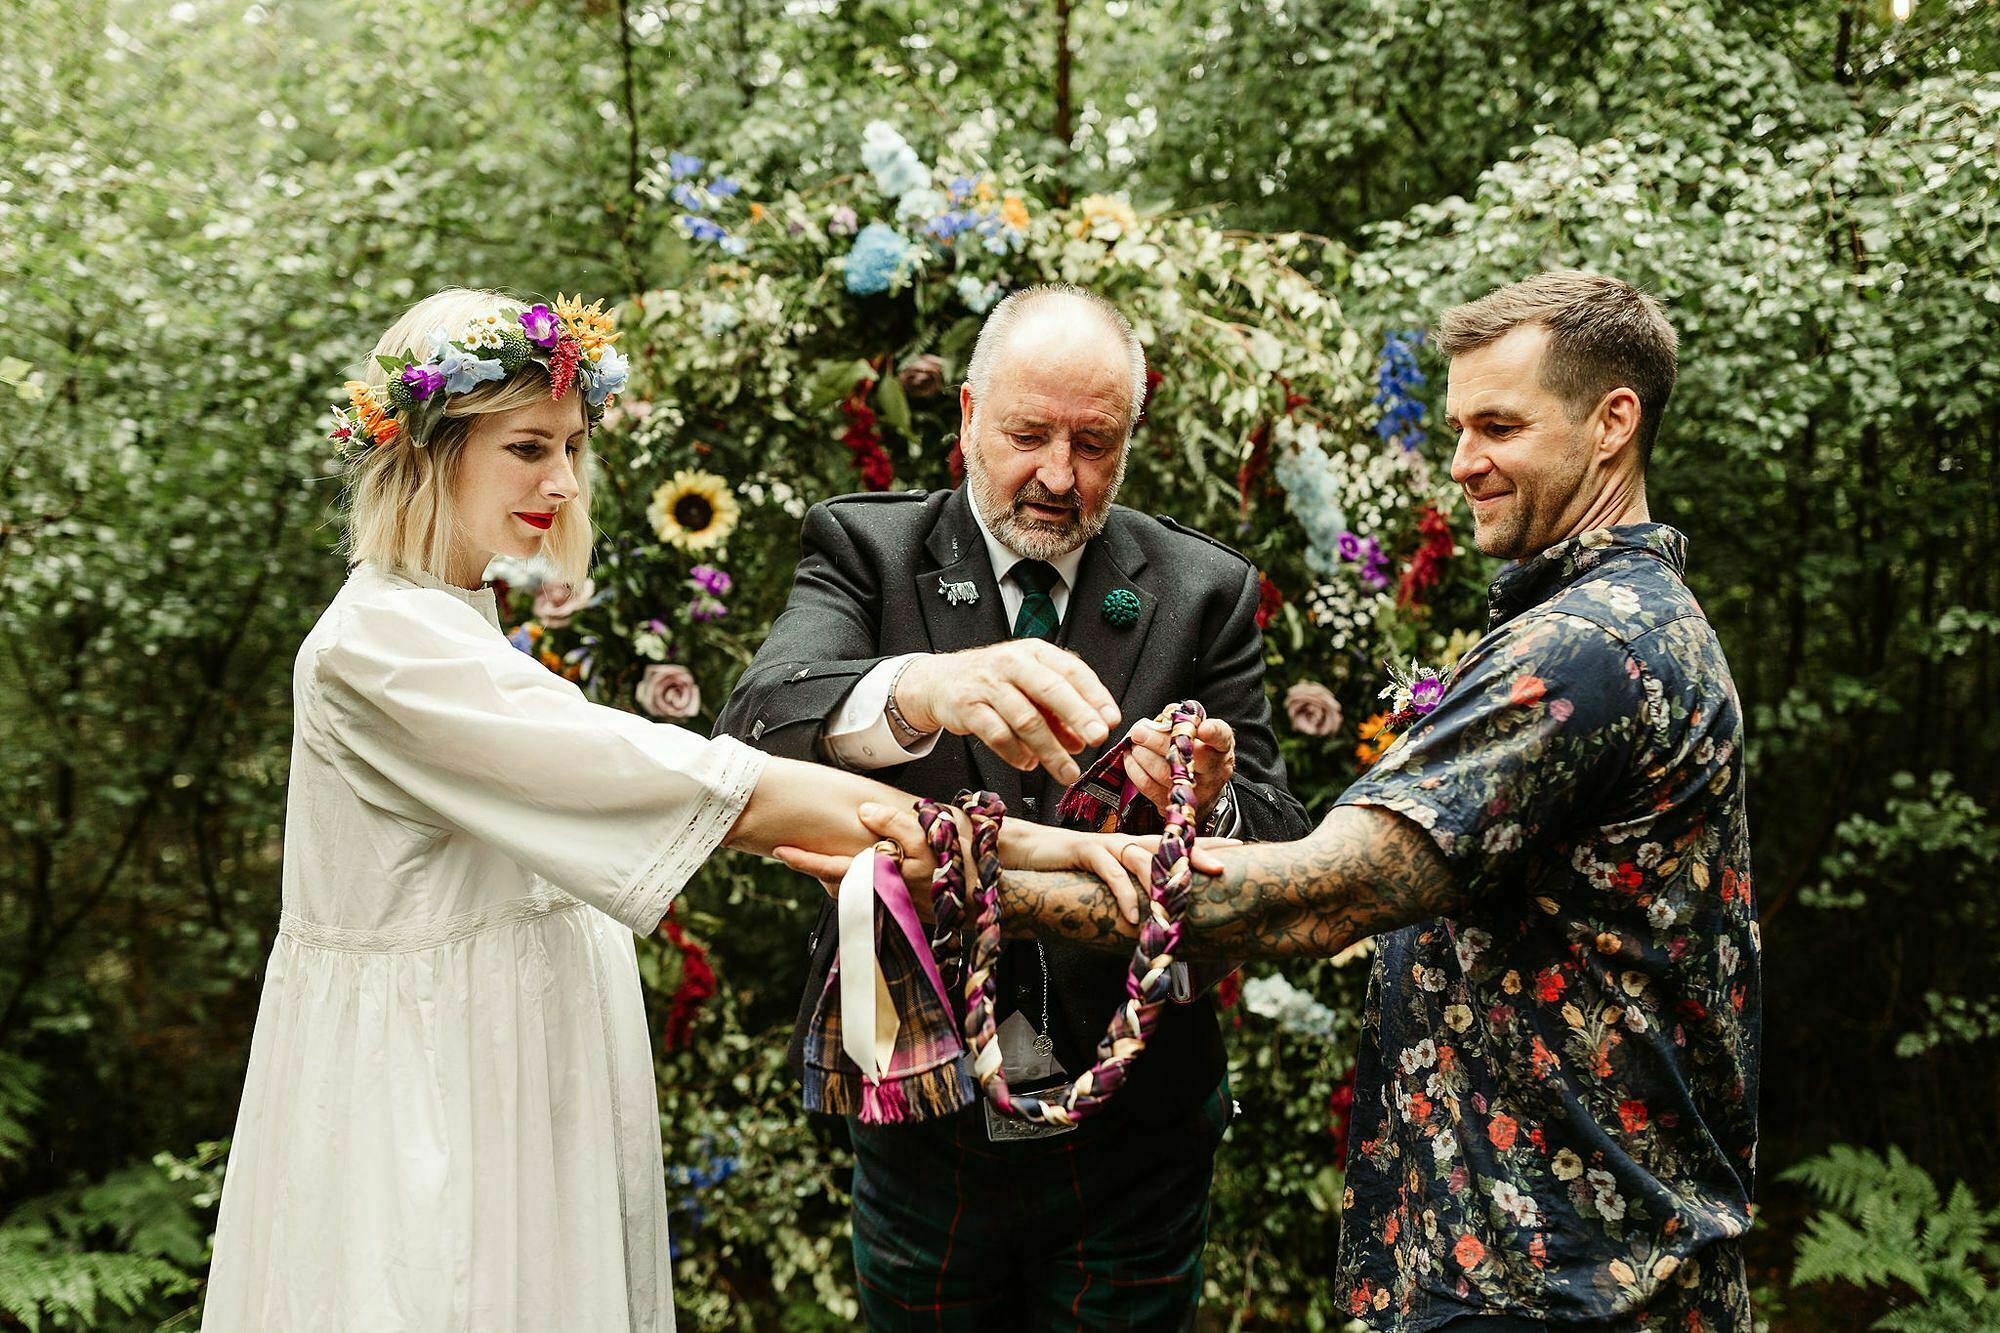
<point>1037,618</point>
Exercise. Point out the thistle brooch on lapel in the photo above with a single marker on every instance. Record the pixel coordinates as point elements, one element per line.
<point>1121,608</point>
<point>959,594</point>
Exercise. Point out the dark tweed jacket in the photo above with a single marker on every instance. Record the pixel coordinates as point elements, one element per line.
<point>869,587</point>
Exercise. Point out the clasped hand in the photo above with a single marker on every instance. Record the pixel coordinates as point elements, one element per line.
<point>1121,862</point>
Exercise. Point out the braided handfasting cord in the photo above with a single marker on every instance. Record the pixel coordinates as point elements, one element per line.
<point>1148,980</point>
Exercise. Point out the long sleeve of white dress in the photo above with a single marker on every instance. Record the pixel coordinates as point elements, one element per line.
<point>449,1119</point>
<point>433,716</point>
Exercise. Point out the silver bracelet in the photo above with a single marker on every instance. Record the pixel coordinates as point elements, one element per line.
<point>905,733</point>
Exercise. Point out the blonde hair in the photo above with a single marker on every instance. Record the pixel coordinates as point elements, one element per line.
<point>399,497</point>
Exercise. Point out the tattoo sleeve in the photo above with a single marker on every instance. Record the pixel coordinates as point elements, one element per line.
<point>1363,870</point>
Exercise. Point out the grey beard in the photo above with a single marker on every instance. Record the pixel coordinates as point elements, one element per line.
<point>1030,537</point>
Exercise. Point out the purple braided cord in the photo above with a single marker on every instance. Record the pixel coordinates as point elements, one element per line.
<point>1148,979</point>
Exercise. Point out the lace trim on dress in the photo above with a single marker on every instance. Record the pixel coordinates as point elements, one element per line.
<point>406,939</point>
<point>681,856</point>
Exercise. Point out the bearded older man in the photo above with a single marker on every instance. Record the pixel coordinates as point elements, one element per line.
<point>1028,616</point>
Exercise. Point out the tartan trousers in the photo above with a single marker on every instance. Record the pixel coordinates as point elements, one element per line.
<point>1099,1229</point>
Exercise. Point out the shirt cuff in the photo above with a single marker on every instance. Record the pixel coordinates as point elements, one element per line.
<point>860,737</point>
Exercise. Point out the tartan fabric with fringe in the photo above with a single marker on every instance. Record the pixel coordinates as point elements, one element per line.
<point>929,1074</point>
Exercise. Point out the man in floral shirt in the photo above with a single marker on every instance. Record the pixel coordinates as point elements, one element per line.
<point>1555,1102</point>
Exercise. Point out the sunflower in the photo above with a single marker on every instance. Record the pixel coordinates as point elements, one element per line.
<point>695,511</point>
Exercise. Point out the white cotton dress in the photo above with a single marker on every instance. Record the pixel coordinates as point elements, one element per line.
<point>449,1120</point>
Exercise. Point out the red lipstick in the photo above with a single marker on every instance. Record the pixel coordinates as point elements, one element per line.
<point>541,521</point>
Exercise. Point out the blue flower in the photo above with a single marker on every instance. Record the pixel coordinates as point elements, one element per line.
<point>880,257</point>
<point>1311,486</point>
<point>702,229</point>
<point>605,378</point>
<point>682,165</point>
<point>947,225</point>
<point>722,187</point>
<point>961,188</point>
<point>462,370</point>
<point>1397,385</point>
<point>688,197</point>
<point>734,245</point>
<point>978,296</point>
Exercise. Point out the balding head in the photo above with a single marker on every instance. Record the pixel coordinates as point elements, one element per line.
<point>1056,381</point>
<point>1057,320</point>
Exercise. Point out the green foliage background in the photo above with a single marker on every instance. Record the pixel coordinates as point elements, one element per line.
<point>208,209</point>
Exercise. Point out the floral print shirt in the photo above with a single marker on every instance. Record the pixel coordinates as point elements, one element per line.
<point>1556,1095</point>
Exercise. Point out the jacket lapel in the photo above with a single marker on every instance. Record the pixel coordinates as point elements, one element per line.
<point>1111,562</point>
<point>958,569</point>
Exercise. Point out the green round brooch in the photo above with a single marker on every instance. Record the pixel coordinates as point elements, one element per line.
<point>1121,608</point>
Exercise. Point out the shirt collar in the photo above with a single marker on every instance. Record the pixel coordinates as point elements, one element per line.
<point>480,599</point>
<point>1527,583</point>
<point>1005,557</point>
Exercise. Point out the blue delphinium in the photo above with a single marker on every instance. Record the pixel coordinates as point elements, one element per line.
<point>682,165</point>
<point>722,187</point>
<point>877,260</point>
<point>1398,383</point>
<point>692,1182</point>
<point>689,197</point>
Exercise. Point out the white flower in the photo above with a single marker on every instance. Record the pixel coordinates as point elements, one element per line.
<point>1291,1008</point>
<point>1420,1056</point>
<point>1519,1208</point>
<point>1726,950</point>
<point>1660,914</point>
<point>1567,1165</point>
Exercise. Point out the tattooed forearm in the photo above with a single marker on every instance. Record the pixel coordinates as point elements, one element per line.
<point>1362,871</point>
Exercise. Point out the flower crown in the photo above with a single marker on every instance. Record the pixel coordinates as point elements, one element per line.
<point>571,342</point>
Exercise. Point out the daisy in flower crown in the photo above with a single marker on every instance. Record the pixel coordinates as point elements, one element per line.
<point>432,485</point>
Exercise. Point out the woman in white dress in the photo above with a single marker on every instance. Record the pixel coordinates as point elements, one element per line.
<point>449,1119</point>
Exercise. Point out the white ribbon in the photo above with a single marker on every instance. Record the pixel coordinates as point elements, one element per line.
<point>868,1021</point>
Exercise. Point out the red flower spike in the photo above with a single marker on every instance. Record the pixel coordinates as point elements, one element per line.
<point>697,985</point>
<point>562,366</point>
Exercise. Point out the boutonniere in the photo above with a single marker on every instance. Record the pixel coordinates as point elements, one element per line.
<point>1412,693</point>
<point>1121,608</point>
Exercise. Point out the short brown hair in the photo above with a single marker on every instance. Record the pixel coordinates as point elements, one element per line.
<point>1603,335</point>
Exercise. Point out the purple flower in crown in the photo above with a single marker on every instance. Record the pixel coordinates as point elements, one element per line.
<point>1350,546</point>
<point>711,580</point>
<point>423,381</point>
<point>539,323</point>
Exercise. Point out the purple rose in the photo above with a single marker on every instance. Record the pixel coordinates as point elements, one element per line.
<point>711,580</point>
<point>669,691</point>
<point>539,323</point>
<point>556,604</point>
<point>1312,709</point>
<point>1350,546</point>
<point>423,380</point>
<point>922,376</point>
